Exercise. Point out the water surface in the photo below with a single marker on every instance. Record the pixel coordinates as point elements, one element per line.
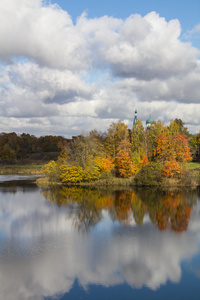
<point>79,243</point>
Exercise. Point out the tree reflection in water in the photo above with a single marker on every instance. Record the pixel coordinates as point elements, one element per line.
<point>165,209</point>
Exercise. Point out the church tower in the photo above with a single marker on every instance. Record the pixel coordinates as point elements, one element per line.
<point>135,118</point>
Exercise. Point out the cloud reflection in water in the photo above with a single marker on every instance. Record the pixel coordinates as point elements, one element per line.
<point>42,253</point>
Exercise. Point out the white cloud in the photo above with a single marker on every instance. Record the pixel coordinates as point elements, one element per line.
<point>50,65</point>
<point>43,33</point>
<point>154,52</point>
<point>194,33</point>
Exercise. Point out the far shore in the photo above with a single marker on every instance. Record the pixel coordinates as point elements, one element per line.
<point>44,182</point>
<point>34,168</point>
<point>22,169</point>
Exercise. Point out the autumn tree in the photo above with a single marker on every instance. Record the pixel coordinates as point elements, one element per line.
<point>182,129</point>
<point>83,150</point>
<point>71,174</point>
<point>171,168</point>
<point>7,153</point>
<point>144,160</point>
<point>115,134</point>
<point>174,127</point>
<point>171,151</point>
<point>180,148</point>
<point>123,159</point>
<point>152,134</point>
<point>192,142</point>
<point>137,138</point>
<point>162,150</point>
<point>177,127</point>
<point>29,143</point>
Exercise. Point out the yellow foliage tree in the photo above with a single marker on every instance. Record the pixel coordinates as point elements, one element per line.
<point>73,174</point>
<point>91,173</point>
<point>52,171</point>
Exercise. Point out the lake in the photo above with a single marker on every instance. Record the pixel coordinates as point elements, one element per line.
<point>86,243</point>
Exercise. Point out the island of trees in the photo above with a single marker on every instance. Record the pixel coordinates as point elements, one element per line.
<point>154,156</point>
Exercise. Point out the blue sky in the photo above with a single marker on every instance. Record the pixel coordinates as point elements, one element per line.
<point>73,66</point>
<point>187,12</point>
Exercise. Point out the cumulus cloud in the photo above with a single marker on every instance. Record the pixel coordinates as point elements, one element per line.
<point>43,33</point>
<point>148,48</point>
<point>50,67</point>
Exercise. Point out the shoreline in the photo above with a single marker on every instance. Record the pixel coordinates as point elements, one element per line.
<point>44,182</point>
<point>191,180</point>
<point>28,169</point>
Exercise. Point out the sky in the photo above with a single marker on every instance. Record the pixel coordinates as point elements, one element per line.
<point>68,67</point>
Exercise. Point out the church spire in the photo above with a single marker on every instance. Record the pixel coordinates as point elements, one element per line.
<point>135,118</point>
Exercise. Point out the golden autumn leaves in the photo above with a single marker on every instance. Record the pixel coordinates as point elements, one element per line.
<point>173,152</point>
<point>122,153</point>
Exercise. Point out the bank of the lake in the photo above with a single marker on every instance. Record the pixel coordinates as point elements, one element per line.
<point>189,179</point>
<point>22,169</point>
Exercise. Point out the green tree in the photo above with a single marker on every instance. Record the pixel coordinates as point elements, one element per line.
<point>174,127</point>
<point>138,138</point>
<point>183,130</point>
<point>115,134</point>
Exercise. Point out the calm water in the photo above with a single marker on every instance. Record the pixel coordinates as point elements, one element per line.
<point>78,243</point>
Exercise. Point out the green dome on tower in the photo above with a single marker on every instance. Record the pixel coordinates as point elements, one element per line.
<point>149,121</point>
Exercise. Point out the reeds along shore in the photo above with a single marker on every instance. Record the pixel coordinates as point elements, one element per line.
<point>32,169</point>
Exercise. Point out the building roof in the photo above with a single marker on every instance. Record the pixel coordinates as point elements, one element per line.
<point>149,120</point>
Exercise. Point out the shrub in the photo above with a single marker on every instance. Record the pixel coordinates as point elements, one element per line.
<point>52,171</point>
<point>150,174</point>
<point>72,174</point>
<point>171,169</point>
<point>91,173</point>
<point>106,177</point>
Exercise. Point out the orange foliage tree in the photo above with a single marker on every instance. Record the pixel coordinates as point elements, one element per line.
<point>171,169</point>
<point>108,164</point>
<point>123,159</point>
<point>145,159</point>
<point>180,148</point>
<point>172,151</point>
<point>162,149</point>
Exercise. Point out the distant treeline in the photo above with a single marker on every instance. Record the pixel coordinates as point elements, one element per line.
<point>141,144</point>
<point>13,146</point>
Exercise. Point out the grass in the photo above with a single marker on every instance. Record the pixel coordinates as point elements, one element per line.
<point>32,169</point>
<point>193,165</point>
